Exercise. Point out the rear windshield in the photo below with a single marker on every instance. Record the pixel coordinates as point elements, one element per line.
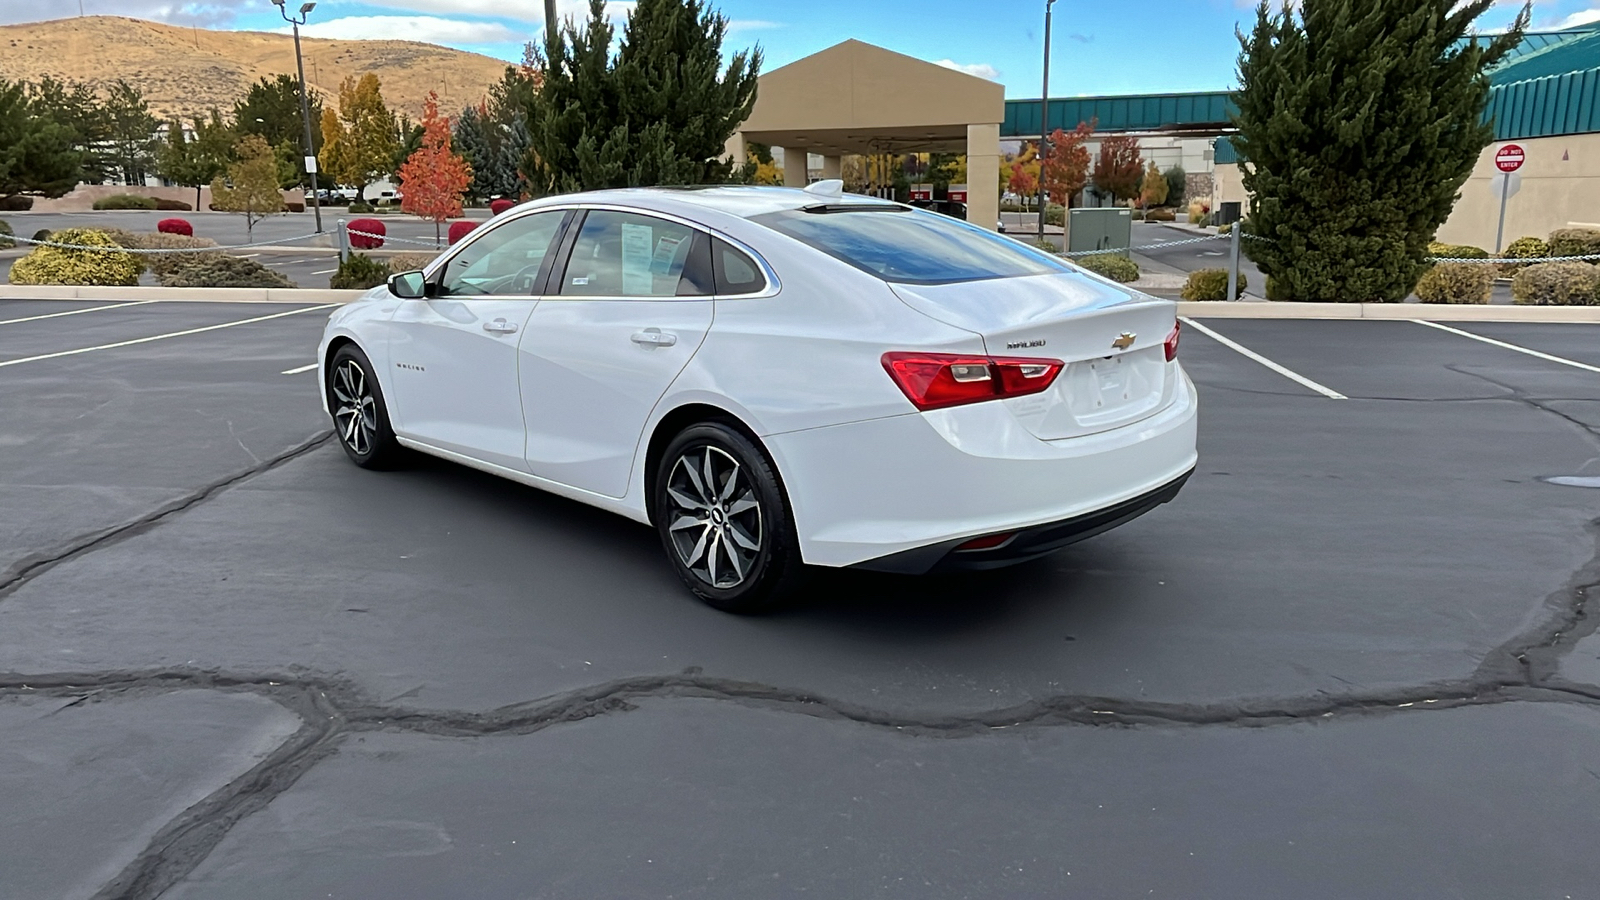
<point>911,246</point>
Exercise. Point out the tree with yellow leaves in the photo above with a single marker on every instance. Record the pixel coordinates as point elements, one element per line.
<point>360,141</point>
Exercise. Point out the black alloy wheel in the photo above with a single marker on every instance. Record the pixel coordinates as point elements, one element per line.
<point>360,418</point>
<point>724,520</point>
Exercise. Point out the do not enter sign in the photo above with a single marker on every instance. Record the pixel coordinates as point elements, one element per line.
<point>1509,158</point>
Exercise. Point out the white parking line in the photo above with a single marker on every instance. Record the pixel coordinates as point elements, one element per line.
<point>1296,377</point>
<point>299,370</point>
<point>160,337</point>
<point>1534,353</point>
<point>325,272</point>
<point>73,312</point>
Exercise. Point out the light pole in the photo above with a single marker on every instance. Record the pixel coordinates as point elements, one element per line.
<point>1044,117</point>
<point>305,104</point>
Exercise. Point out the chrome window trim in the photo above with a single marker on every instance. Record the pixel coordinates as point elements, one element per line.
<point>774,284</point>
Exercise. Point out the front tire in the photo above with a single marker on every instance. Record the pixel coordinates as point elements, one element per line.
<point>360,416</point>
<point>724,521</point>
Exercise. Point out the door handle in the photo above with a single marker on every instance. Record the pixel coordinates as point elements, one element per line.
<point>654,337</point>
<point>500,326</point>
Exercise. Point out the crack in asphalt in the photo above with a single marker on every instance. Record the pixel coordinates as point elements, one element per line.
<point>29,567</point>
<point>1524,668</point>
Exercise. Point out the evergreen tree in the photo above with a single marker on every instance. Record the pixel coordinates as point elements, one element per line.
<point>493,148</point>
<point>1359,120</point>
<point>193,163</point>
<point>271,108</point>
<point>76,107</point>
<point>659,112</point>
<point>1177,185</point>
<point>132,131</point>
<point>36,152</point>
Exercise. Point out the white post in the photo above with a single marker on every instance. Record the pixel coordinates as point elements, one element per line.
<point>344,242</point>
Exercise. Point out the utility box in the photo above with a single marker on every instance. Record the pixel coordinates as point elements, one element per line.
<point>1110,228</point>
<point>1230,212</point>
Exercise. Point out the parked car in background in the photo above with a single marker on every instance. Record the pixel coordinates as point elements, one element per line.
<point>776,377</point>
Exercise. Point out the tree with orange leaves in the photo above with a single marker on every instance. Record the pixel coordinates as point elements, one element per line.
<point>1066,167</point>
<point>434,177</point>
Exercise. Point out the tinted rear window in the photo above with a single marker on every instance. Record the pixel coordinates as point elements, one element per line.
<point>912,247</point>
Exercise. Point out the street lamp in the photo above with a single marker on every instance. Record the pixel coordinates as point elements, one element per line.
<point>1044,117</point>
<point>305,104</point>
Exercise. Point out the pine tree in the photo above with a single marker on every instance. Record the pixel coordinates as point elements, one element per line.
<point>132,130</point>
<point>659,112</point>
<point>36,153</point>
<point>195,163</point>
<point>1359,120</point>
<point>271,108</point>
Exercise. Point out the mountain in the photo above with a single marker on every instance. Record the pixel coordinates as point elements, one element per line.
<point>186,71</point>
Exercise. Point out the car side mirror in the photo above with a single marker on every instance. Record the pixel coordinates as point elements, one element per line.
<point>408,285</point>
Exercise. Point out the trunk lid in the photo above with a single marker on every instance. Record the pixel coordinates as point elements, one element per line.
<point>1078,319</point>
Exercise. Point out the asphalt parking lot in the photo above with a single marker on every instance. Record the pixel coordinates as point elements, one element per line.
<point>1352,659</point>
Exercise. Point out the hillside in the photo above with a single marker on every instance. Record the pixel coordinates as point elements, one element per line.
<point>186,71</point>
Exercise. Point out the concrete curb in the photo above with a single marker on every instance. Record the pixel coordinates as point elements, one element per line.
<point>176,295</point>
<point>1390,312</point>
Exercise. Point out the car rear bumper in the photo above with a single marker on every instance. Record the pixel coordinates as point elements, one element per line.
<point>900,493</point>
<point>1021,546</point>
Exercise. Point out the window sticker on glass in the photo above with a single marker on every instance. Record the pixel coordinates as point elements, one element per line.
<point>636,258</point>
<point>581,280</point>
<point>666,252</point>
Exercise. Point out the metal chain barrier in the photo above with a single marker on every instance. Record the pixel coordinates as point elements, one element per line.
<point>1140,249</point>
<point>384,237</point>
<point>119,249</point>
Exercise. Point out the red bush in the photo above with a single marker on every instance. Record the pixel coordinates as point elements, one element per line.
<point>499,206</point>
<point>370,226</point>
<point>459,230</point>
<point>175,226</point>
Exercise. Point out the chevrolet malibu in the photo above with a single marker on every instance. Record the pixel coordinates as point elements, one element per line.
<point>774,378</point>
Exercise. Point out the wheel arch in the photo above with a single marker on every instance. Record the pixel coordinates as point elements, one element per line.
<point>693,414</point>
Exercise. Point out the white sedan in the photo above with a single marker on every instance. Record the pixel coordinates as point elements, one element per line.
<point>775,378</point>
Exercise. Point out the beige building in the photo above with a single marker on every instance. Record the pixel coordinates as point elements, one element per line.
<point>1560,187</point>
<point>855,98</point>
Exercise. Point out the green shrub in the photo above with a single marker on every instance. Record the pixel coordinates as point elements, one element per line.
<point>1114,266</point>
<point>1456,283</point>
<point>42,234</point>
<point>16,203</point>
<point>1575,242</point>
<point>1225,229</point>
<point>1456,251</point>
<point>6,243</point>
<point>410,262</point>
<point>125,201</point>
<point>1161,214</point>
<point>54,265</point>
<point>361,208</point>
<point>172,205</point>
<point>1211,284</point>
<point>1557,284</point>
<point>1055,214</point>
<point>164,263</point>
<point>1523,248</point>
<point>221,271</point>
<point>358,273</point>
<point>1138,215</point>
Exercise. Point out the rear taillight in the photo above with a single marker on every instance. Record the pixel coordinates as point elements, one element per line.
<point>938,380</point>
<point>1171,343</point>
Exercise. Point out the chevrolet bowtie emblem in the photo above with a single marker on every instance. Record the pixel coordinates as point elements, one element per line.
<point>1124,340</point>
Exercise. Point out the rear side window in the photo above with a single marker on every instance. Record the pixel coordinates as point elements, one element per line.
<point>621,254</point>
<point>912,246</point>
<point>735,271</point>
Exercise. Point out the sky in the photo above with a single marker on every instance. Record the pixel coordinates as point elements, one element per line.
<point>1096,47</point>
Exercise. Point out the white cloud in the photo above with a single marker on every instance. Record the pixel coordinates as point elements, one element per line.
<point>431,29</point>
<point>1586,17</point>
<point>209,14</point>
<point>982,70</point>
<point>520,10</point>
<point>737,25</point>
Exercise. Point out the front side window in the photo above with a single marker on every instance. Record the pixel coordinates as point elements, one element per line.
<point>620,254</point>
<point>505,261</point>
<point>911,246</point>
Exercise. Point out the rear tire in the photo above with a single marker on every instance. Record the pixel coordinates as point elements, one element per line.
<point>360,416</point>
<point>725,522</point>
